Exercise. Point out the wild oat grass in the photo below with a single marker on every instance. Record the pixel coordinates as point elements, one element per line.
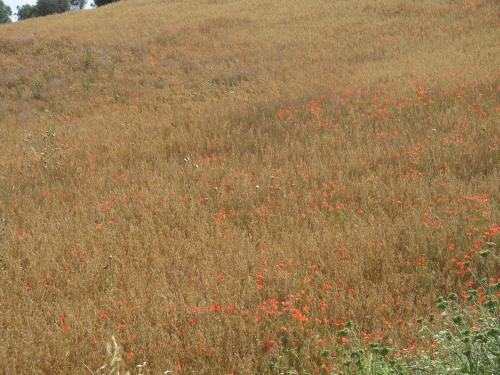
<point>216,183</point>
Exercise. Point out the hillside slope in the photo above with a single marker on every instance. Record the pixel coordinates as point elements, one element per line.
<point>216,182</point>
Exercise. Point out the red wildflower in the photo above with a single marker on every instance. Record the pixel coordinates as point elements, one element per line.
<point>260,281</point>
<point>130,357</point>
<point>327,286</point>
<point>268,345</point>
<point>420,262</point>
<point>215,308</point>
<point>298,315</point>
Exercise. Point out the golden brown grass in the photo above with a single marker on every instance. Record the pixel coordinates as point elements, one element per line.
<point>212,181</point>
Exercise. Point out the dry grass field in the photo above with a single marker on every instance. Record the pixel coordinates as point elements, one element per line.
<point>214,182</point>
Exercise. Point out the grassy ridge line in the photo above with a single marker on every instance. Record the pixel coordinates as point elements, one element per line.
<point>179,50</point>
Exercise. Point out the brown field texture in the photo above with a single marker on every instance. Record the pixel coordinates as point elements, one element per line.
<point>212,182</point>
